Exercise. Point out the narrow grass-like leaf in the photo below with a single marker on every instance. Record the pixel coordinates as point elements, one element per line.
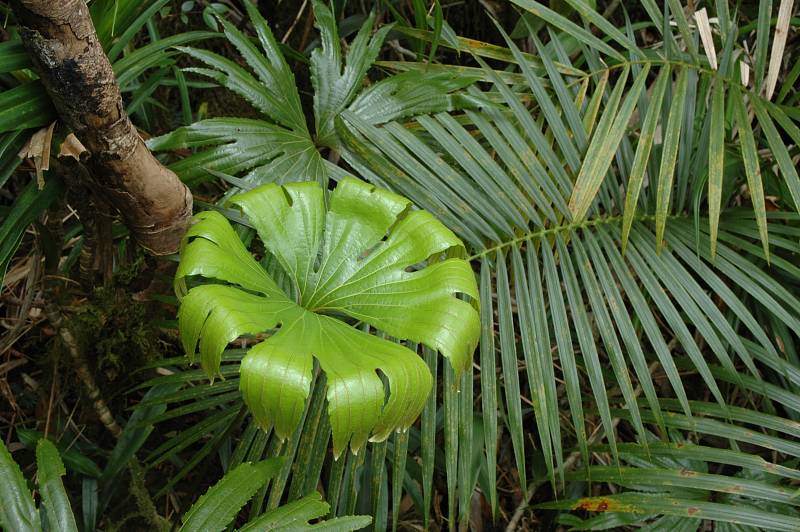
<point>687,451</point>
<point>399,455</point>
<point>428,435</point>
<point>508,356</point>
<point>625,326</point>
<point>643,148</point>
<point>583,331</point>
<point>604,145</point>
<point>312,429</point>
<point>482,49</point>
<point>551,114</point>
<point>666,172</point>
<point>763,287</point>
<point>778,46</point>
<point>532,360</point>
<point>185,438</point>
<point>378,485</point>
<point>465,451</point>
<point>531,128</point>
<point>518,157</point>
<point>607,333</point>
<point>451,442</point>
<point>683,25</point>
<point>751,166</point>
<point>335,481</point>
<point>722,291</point>
<point>707,38</point>
<point>566,355</point>
<point>714,427</point>
<point>486,195</point>
<point>155,54</point>
<point>593,106</point>
<point>544,356</point>
<point>696,305</point>
<point>569,27</point>
<point>716,155</point>
<point>489,379</point>
<point>762,42</point>
<point>779,150</point>
<point>565,97</point>
<point>354,479</point>
<point>586,12</point>
<point>692,479</point>
<point>748,416</point>
<point>13,56</point>
<point>667,309</point>
<point>29,204</point>
<point>481,166</point>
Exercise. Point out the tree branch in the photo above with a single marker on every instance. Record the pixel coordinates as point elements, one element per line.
<point>67,55</point>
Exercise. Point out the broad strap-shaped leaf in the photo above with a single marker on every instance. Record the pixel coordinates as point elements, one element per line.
<point>368,257</point>
<point>17,511</point>
<point>55,500</point>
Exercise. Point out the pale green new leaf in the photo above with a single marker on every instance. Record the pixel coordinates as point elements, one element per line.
<point>367,256</point>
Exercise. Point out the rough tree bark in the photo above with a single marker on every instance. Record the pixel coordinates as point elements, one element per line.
<point>154,203</point>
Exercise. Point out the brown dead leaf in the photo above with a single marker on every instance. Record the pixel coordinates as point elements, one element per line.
<point>71,147</point>
<point>38,149</point>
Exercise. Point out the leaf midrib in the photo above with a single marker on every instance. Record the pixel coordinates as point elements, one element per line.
<point>569,227</point>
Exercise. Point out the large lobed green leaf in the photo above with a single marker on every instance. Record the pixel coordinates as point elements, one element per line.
<point>367,257</point>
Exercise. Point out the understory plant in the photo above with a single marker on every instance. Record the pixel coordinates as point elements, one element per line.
<point>595,223</point>
<point>630,212</point>
<point>212,512</point>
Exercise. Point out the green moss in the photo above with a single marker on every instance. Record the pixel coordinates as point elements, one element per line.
<point>117,333</point>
